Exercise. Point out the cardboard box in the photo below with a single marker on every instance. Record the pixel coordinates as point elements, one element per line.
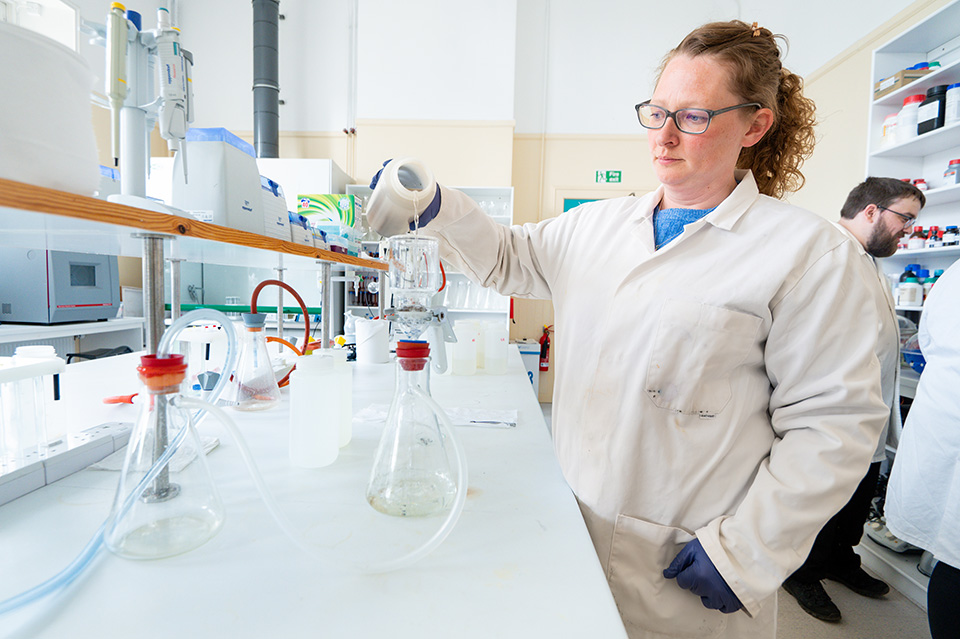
<point>897,80</point>
<point>334,214</point>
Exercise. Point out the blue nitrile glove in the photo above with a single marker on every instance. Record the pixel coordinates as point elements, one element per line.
<point>428,213</point>
<point>695,572</point>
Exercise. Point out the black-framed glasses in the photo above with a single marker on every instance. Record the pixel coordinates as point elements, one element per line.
<point>908,220</point>
<point>693,121</point>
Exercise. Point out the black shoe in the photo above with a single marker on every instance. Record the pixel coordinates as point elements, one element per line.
<point>860,582</point>
<point>813,599</point>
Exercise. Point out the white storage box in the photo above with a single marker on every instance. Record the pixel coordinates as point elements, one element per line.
<point>46,132</point>
<point>223,183</point>
<point>276,221</point>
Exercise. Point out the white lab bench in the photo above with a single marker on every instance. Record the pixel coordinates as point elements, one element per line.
<point>74,337</point>
<point>518,564</point>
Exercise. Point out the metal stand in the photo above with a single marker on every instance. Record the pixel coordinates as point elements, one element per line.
<point>174,287</point>
<point>153,313</point>
<point>326,304</point>
<point>280,271</point>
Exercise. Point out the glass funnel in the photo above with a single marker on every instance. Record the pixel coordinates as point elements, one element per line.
<point>415,278</point>
<point>180,508</point>
<point>413,474</point>
<point>255,383</point>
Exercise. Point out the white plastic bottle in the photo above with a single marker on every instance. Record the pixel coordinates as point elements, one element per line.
<point>910,293</point>
<point>465,348</point>
<point>345,380</point>
<point>495,337</point>
<point>314,412</point>
<point>951,113</point>
<point>907,118</point>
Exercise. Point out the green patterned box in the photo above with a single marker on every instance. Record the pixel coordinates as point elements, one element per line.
<point>332,213</point>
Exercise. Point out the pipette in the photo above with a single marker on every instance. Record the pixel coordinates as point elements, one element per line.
<point>116,72</point>
<point>174,110</point>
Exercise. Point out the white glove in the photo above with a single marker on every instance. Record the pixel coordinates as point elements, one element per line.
<point>403,190</point>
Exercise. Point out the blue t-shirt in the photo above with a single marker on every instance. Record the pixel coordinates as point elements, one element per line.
<point>669,223</point>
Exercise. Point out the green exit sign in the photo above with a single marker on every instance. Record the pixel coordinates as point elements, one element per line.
<point>610,177</point>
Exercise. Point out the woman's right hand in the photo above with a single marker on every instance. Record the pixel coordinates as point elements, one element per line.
<point>402,194</point>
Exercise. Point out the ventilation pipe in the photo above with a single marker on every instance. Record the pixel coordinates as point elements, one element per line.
<point>266,78</point>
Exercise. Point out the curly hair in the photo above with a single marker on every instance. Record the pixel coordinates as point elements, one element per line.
<point>757,75</point>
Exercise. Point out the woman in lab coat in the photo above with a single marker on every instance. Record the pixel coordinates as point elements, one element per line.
<point>923,494</point>
<point>716,398</point>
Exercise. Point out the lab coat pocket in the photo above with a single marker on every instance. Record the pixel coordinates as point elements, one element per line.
<point>648,602</point>
<point>696,349</point>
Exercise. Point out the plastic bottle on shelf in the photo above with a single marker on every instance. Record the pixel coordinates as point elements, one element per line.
<point>930,113</point>
<point>917,238</point>
<point>921,184</point>
<point>314,412</point>
<point>904,239</point>
<point>927,285</point>
<point>922,275</point>
<point>907,117</point>
<point>910,293</point>
<point>951,237</point>
<point>952,174</point>
<point>888,135</point>
<point>932,238</point>
<point>910,270</point>
<point>951,107</point>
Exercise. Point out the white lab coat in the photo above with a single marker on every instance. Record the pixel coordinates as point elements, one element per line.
<point>923,494</point>
<point>721,387</point>
<point>888,348</point>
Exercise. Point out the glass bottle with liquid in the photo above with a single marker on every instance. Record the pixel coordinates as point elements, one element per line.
<point>917,238</point>
<point>413,473</point>
<point>180,509</point>
<point>254,381</point>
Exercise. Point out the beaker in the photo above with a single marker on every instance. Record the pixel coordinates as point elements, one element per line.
<point>180,509</point>
<point>254,380</point>
<point>412,472</point>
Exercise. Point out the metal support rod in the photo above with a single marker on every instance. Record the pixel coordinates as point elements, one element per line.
<point>174,287</point>
<point>326,303</point>
<point>381,293</point>
<point>280,271</point>
<point>153,312</point>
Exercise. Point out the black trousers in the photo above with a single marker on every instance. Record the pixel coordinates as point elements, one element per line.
<point>833,549</point>
<point>943,602</point>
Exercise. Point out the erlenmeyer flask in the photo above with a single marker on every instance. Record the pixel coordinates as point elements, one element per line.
<point>412,473</point>
<point>180,509</point>
<point>255,383</point>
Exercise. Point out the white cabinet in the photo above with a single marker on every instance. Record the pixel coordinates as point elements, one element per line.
<point>462,298</point>
<point>937,38</point>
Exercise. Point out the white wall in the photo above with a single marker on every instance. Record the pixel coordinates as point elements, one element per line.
<point>436,59</point>
<point>603,55</point>
<point>460,60</point>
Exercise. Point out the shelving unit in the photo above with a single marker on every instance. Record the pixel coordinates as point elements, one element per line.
<point>40,218</point>
<point>935,38</point>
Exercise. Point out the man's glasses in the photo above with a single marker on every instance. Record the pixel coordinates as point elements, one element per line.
<point>693,121</point>
<point>907,219</point>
